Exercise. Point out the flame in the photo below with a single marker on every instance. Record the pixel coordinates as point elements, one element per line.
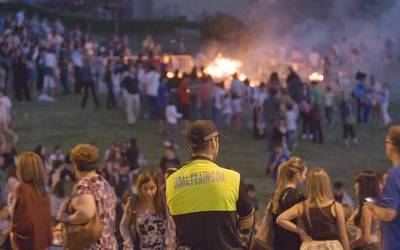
<point>242,77</point>
<point>170,75</point>
<point>316,77</point>
<point>222,67</point>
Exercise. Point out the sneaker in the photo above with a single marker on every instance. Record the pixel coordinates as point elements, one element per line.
<point>310,137</point>
<point>355,141</point>
<point>167,143</point>
<point>303,136</point>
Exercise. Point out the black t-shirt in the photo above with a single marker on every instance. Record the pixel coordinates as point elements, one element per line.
<point>132,155</point>
<point>166,163</point>
<point>131,85</point>
<point>285,239</point>
<point>277,136</point>
<point>214,230</point>
<point>122,185</point>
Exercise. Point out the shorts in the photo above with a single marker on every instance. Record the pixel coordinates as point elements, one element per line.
<point>49,82</point>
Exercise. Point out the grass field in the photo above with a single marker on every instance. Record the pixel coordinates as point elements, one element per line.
<point>64,123</point>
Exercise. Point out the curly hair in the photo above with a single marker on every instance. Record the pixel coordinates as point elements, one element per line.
<point>85,157</point>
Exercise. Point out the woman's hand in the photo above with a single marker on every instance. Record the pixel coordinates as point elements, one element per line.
<point>58,234</point>
<point>304,236</point>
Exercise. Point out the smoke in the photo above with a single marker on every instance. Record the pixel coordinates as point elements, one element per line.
<point>361,27</point>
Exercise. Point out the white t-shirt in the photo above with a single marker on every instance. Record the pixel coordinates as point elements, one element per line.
<point>152,82</point>
<point>172,114</point>
<point>141,77</point>
<point>227,106</point>
<point>54,157</point>
<point>314,59</point>
<point>291,120</point>
<point>50,60</point>
<point>6,102</point>
<point>76,58</point>
<point>259,97</point>
<point>218,96</point>
<point>5,108</point>
<point>329,98</point>
<point>237,106</point>
<point>237,87</point>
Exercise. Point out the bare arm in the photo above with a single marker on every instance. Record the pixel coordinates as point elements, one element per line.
<point>366,219</point>
<point>284,221</point>
<point>340,222</point>
<point>125,225</point>
<point>85,209</point>
<point>246,222</point>
<point>382,213</point>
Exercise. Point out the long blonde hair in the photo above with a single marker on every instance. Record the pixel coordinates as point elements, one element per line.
<point>286,172</point>
<point>30,170</point>
<point>319,190</point>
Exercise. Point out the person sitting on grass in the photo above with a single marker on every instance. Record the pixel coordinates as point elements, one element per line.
<point>276,158</point>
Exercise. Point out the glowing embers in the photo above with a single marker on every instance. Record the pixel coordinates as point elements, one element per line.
<point>222,67</point>
<point>316,77</point>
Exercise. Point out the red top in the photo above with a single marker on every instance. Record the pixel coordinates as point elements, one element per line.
<point>31,219</point>
<point>184,93</point>
<point>205,91</point>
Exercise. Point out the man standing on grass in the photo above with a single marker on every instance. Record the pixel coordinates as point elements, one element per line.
<point>130,92</point>
<point>388,205</point>
<point>206,201</point>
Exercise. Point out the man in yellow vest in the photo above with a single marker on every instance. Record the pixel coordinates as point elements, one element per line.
<point>208,203</point>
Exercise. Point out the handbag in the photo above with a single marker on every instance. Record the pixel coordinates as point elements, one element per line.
<point>80,236</point>
<point>264,237</point>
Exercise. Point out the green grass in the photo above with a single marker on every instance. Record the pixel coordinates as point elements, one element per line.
<point>64,123</point>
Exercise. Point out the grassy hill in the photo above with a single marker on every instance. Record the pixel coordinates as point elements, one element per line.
<point>64,123</point>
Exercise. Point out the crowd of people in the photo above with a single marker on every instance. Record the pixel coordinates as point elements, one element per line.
<point>134,208</point>
<point>130,207</point>
<point>39,56</point>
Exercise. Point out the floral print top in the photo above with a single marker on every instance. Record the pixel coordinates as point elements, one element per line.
<point>105,203</point>
<point>151,229</point>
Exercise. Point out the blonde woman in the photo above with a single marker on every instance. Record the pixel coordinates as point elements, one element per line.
<point>291,175</point>
<point>322,218</point>
<point>31,216</point>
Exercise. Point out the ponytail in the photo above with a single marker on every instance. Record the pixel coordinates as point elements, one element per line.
<point>286,172</point>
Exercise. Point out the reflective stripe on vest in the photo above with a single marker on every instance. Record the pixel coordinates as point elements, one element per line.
<point>202,186</point>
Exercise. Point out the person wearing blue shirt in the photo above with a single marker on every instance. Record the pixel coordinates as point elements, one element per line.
<point>359,94</point>
<point>277,157</point>
<point>387,207</point>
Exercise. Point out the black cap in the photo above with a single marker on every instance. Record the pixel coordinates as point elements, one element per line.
<point>200,132</point>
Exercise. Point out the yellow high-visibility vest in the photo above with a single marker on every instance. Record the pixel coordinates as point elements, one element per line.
<point>201,186</point>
